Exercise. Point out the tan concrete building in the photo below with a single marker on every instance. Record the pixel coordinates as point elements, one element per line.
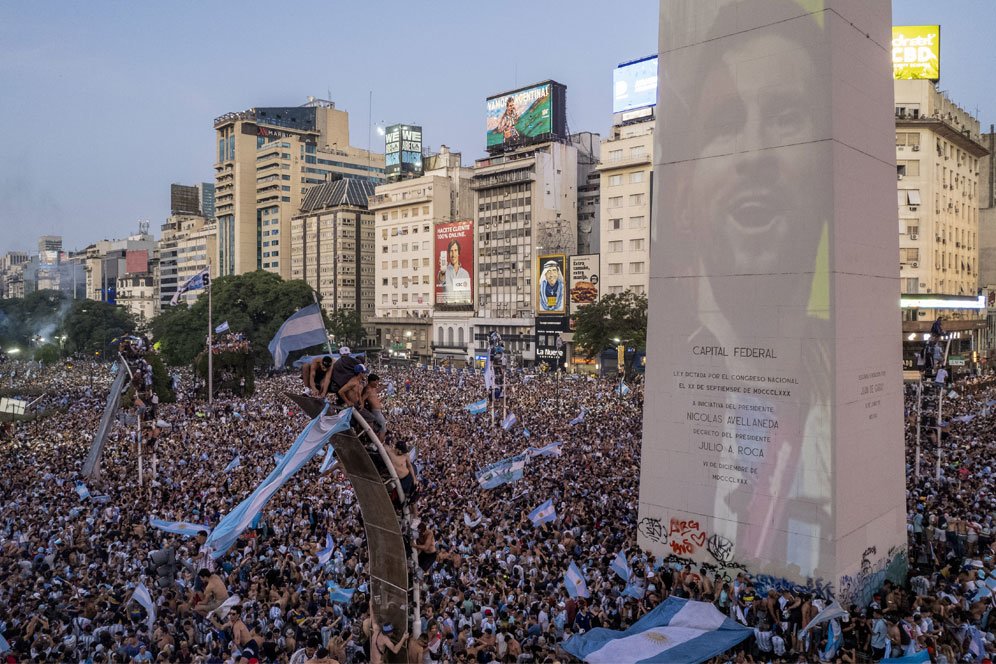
<point>332,245</point>
<point>187,245</point>
<point>624,241</point>
<point>266,159</point>
<point>406,214</point>
<point>113,265</point>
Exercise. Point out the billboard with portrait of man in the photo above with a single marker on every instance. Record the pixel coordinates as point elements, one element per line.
<point>551,289</point>
<point>454,246</point>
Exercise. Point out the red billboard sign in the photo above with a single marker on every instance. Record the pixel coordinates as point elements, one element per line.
<point>454,245</point>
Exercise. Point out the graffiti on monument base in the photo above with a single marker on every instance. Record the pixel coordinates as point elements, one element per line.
<point>859,588</point>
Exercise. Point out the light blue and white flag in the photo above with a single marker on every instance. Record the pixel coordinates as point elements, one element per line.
<point>835,639</point>
<point>510,469</point>
<point>544,513</point>
<point>832,611</point>
<point>309,443</point>
<point>82,491</point>
<point>677,630</point>
<point>460,382</point>
<point>574,582</point>
<point>526,432</point>
<point>324,555</point>
<point>176,527</point>
<point>277,457</point>
<point>620,566</point>
<point>623,389</point>
<point>4,646</point>
<point>391,389</point>
<point>233,464</point>
<point>921,657</point>
<point>509,421</point>
<point>635,588</point>
<point>489,374</point>
<point>200,280</point>
<point>144,599</point>
<point>339,594</point>
<point>329,461</point>
<point>580,418</point>
<point>303,329</point>
<point>550,449</point>
<point>477,407</point>
<point>222,328</point>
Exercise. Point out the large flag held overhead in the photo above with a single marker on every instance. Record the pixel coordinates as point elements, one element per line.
<point>620,566</point>
<point>677,630</point>
<point>303,329</point>
<point>309,443</point>
<point>543,513</point>
<point>233,464</point>
<point>329,461</point>
<point>509,421</point>
<point>574,582</point>
<point>200,280</point>
<point>550,449</point>
<point>339,594</point>
<point>144,599</point>
<point>834,610</point>
<point>510,469</point>
<point>324,555</point>
<point>176,527</point>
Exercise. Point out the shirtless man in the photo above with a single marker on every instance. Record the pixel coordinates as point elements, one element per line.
<point>403,467</point>
<point>215,592</point>
<point>351,394</point>
<point>381,642</point>
<point>317,375</point>
<point>373,404</point>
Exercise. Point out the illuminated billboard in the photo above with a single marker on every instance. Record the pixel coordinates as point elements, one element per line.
<point>454,245</point>
<point>584,275</point>
<point>916,52</point>
<point>634,84</point>
<point>530,114</point>
<point>551,286</point>
<point>402,151</point>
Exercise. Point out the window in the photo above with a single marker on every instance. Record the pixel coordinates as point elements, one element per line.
<point>908,167</point>
<point>615,289</point>
<point>636,199</point>
<point>639,290</point>
<point>615,180</point>
<point>383,282</point>
<point>615,268</point>
<point>615,201</point>
<point>636,244</point>
<point>636,222</point>
<point>913,231</point>
<point>636,268</point>
<point>909,254</point>
<point>911,285</point>
<point>425,210</point>
<point>636,178</point>
<point>615,155</point>
<point>615,246</point>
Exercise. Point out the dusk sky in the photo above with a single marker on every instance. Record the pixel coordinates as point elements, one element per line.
<point>106,103</point>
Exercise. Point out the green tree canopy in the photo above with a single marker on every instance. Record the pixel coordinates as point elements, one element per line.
<point>345,327</point>
<point>620,316</point>
<point>91,326</point>
<point>255,304</point>
<point>40,314</point>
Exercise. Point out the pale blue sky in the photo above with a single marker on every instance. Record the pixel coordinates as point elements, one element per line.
<point>105,104</point>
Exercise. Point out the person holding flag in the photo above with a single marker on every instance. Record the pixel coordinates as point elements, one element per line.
<point>544,513</point>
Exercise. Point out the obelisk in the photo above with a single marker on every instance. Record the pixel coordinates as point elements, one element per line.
<point>773,434</point>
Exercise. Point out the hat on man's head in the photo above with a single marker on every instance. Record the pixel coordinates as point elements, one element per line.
<point>360,369</point>
<point>387,628</point>
<point>344,350</point>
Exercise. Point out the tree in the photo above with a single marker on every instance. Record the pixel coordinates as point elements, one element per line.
<point>345,327</point>
<point>38,315</point>
<point>255,304</point>
<point>621,316</point>
<point>91,326</point>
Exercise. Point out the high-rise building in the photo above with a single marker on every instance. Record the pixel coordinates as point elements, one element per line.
<point>987,242</point>
<point>267,157</point>
<point>205,193</point>
<point>589,191</point>
<point>124,272</point>
<point>407,214</point>
<point>526,211</point>
<point>331,245</point>
<point>188,245</point>
<point>49,243</point>
<point>625,169</point>
<point>184,199</point>
<point>12,274</point>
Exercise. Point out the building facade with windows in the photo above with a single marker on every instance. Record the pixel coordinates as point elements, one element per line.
<point>406,214</point>
<point>625,205</point>
<point>189,243</point>
<point>332,245</point>
<point>266,159</point>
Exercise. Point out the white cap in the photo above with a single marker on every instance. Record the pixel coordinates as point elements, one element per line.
<point>344,350</point>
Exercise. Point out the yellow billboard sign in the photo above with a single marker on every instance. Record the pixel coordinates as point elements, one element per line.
<point>916,52</point>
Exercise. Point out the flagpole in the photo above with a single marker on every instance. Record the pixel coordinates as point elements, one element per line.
<point>210,343</point>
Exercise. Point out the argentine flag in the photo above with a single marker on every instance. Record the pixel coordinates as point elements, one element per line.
<point>489,374</point>
<point>580,418</point>
<point>623,389</point>
<point>303,329</point>
<point>324,555</point>
<point>233,464</point>
<point>339,594</point>
<point>477,407</point>
<point>144,599</point>
<point>620,566</point>
<point>677,630</point>
<point>509,421</point>
<point>551,449</point>
<point>200,280</point>
<point>176,527</point>
<point>82,491</point>
<point>544,513</point>
<point>308,444</point>
<point>222,328</point>
<point>574,582</point>
<point>329,461</point>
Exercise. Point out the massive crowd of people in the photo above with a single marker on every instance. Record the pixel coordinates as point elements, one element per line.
<point>491,583</point>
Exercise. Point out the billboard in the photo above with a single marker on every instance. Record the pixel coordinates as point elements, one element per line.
<point>551,286</point>
<point>137,261</point>
<point>526,115</point>
<point>403,151</point>
<point>634,84</point>
<point>454,245</point>
<point>584,275</point>
<point>916,52</point>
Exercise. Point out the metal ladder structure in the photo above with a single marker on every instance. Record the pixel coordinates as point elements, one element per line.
<point>91,467</point>
<point>394,590</point>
